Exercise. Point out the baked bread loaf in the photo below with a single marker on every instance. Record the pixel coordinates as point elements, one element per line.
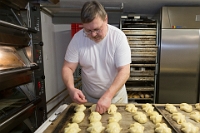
<point>9,58</point>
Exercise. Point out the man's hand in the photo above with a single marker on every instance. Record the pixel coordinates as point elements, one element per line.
<point>77,96</point>
<point>103,104</point>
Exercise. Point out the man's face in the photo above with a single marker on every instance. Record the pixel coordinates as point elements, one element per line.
<point>96,30</point>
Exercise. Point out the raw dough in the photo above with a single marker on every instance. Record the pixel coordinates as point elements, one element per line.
<point>136,128</point>
<point>131,108</point>
<point>93,108</point>
<point>72,128</point>
<point>148,108</point>
<point>140,117</point>
<point>188,127</point>
<point>178,117</point>
<point>112,109</point>
<point>116,117</point>
<point>170,108</point>
<point>186,107</point>
<point>95,127</point>
<point>153,113</point>
<point>78,117</point>
<point>113,127</point>
<point>195,116</point>
<point>94,117</point>
<point>80,107</point>
<point>155,117</point>
<point>162,128</point>
<point>197,106</point>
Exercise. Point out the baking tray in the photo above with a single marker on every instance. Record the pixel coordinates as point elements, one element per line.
<point>168,115</point>
<point>61,122</point>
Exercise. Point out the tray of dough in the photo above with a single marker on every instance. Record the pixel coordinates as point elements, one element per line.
<point>128,112</point>
<point>178,114</point>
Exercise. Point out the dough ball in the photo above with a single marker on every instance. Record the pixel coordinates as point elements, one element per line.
<point>112,109</point>
<point>113,127</point>
<point>188,127</point>
<point>140,117</point>
<point>156,118</point>
<point>148,108</point>
<point>179,118</point>
<point>131,108</point>
<point>153,113</point>
<point>116,117</point>
<point>162,128</point>
<point>72,128</point>
<point>170,108</point>
<point>136,128</point>
<point>197,106</point>
<point>95,127</point>
<point>94,117</point>
<point>80,107</point>
<point>93,108</point>
<point>195,116</point>
<point>186,107</point>
<point>78,117</point>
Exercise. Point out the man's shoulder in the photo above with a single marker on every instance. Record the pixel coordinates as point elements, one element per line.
<point>114,30</point>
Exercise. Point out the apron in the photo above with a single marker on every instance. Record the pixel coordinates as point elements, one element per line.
<point>120,97</point>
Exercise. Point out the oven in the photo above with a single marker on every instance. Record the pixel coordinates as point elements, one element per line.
<point>22,80</point>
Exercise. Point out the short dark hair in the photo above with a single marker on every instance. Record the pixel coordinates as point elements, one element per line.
<point>90,10</point>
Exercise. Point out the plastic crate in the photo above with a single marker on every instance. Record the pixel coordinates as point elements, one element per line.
<point>75,27</point>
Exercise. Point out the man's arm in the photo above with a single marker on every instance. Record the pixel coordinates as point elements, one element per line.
<point>121,78</point>
<point>67,74</point>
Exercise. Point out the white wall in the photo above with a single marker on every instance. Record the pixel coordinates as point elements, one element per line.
<point>55,39</point>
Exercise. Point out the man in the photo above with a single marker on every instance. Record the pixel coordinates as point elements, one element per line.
<point>104,55</point>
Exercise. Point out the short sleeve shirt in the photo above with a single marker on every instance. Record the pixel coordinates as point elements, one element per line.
<point>99,61</point>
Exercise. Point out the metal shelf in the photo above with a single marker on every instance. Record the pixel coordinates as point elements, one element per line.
<point>142,39</point>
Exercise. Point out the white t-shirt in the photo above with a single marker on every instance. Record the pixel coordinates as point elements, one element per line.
<point>99,61</point>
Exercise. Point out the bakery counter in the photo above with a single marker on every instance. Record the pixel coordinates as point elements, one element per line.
<point>60,121</point>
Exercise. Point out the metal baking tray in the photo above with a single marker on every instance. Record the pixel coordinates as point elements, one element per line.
<point>61,122</point>
<point>167,115</point>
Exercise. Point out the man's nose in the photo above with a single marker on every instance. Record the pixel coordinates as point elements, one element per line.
<point>93,33</point>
